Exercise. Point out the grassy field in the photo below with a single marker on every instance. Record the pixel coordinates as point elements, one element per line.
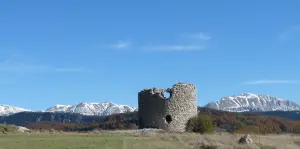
<point>142,141</point>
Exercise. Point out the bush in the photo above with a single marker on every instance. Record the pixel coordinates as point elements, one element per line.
<point>201,123</point>
<point>132,126</point>
<point>206,146</point>
<point>6,129</point>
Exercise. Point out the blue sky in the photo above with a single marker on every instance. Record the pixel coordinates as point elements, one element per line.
<point>66,52</point>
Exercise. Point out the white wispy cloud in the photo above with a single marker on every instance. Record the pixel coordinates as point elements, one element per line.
<point>289,32</point>
<point>192,46</point>
<point>198,36</point>
<point>23,67</point>
<point>171,48</point>
<point>120,45</point>
<point>257,82</point>
<point>10,66</point>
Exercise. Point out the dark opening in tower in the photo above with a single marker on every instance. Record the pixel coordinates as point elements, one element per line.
<point>168,119</point>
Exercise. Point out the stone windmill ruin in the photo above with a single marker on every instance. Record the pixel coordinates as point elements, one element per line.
<point>172,113</point>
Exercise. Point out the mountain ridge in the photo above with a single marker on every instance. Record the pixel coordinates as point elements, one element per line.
<point>83,108</point>
<point>249,102</point>
<point>6,110</point>
<point>244,102</point>
<point>93,108</point>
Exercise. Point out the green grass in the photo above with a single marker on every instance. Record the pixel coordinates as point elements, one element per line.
<point>82,141</point>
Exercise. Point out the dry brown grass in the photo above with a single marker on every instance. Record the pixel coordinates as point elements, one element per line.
<point>153,140</point>
<point>219,140</point>
<point>229,141</point>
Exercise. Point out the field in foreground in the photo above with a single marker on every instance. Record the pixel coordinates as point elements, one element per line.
<point>148,140</point>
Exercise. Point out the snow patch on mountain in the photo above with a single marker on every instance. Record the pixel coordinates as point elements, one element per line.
<point>58,108</point>
<point>253,102</point>
<point>6,110</point>
<point>84,108</point>
<point>98,109</point>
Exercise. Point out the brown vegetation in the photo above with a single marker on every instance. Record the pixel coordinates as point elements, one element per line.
<point>228,121</point>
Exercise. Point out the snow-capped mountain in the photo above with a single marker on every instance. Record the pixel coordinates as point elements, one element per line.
<point>95,109</point>
<point>58,108</point>
<point>98,109</point>
<point>6,110</point>
<point>253,102</point>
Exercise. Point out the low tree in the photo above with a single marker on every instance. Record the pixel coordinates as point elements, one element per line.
<point>201,124</point>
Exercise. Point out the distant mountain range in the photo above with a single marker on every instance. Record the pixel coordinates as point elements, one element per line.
<point>6,110</point>
<point>247,102</point>
<point>83,108</point>
<point>38,119</point>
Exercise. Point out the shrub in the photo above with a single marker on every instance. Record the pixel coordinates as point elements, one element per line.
<point>206,146</point>
<point>132,126</point>
<point>201,123</point>
<point>6,129</point>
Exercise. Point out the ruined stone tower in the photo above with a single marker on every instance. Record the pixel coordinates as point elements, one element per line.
<point>172,113</point>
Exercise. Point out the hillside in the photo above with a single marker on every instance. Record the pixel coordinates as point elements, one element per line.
<point>23,118</point>
<point>229,121</point>
<point>293,115</point>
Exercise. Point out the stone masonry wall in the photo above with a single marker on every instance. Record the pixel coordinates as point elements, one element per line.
<point>171,114</point>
